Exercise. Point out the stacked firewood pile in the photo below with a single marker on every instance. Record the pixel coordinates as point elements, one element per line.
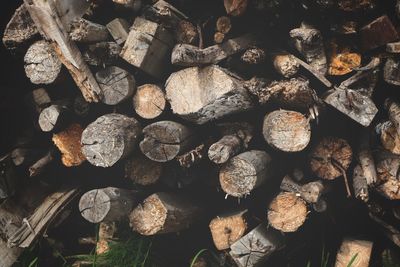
<point>244,118</point>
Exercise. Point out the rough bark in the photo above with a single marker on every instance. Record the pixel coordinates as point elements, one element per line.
<point>286,65</point>
<point>393,109</point>
<point>186,33</point>
<point>390,139</point>
<point>377,33</point>
<point>387,168</point>
<point>310,192</point>
<point>107,204</point>
<point>163,213</point>
<point>85,31</point>
<point>119,30</point>
<point>102,54</point>
<point>201,95</point>
<point>359,250</point>
<point>116,84</point>
<point>285,130</point>
<point>143,171</point>
<point>245,172</point>
<point>225,148</point>
<point>149,101</point>
<point>42,65</point>
<point>109,139</point>
<point>253,56</point>
<point>164,140</point>
<point>228,228</point>
<point>391,73</point>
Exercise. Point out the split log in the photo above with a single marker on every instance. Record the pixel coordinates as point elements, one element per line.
<point>109,139</point>
<point>377,33</point>
<point>287,212</point>
<point>310,192</point>
<point>360,184</point>
<point>309,43</point>
<point>149,101</point>
<point>188,55</point>
<point>204,94</point>
<point>9,179</point>
<point>353,104</point>
<point>38,100</point>
<point>228,228</point>
<point>147,47</point>
<point>119,30</point>
<point>388,178</point>
<point>391,73</point>
<point>163,213</point>
<point>51,23</point>
<point>366,159</point>
<point>35,225</point>
<point>102,54</point>
<point>116,84</point>
<point>245,172</point>
<point>286,65</point>
<point>393,109</point>
<point>40,165</point>
<point>42,65</point>
<point>143,171</point>
<point>68,142</point>
<point>358,252</point>
<point>85,31</point>
<point>107,204</point>
<point>389,137</point>
<point>256,247</point>
<point>286,130</point>
<point>253,56</point>
<point>20,29</point>
<point>53,118</point>
<point>331,158</point>
<point>393,48</point>
<point>235,7</point>
<point>164,140</point>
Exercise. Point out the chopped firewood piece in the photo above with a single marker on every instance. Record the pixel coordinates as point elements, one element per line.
<point>107,231</point>
<point>53,118</point>
<point>393,109</point>
<point>69,143</point>
<point>377,33</point>
<point>219,37</point>
<point>228,228</point>
<point>287,212</point>
<point>356,253</point>
<point>149,101</point>
<point>143,171</point>
<point>186,32</point>
<point>366,159</point>
<point>119,30</point>
<point>286,65</point>
<point>129,4</point>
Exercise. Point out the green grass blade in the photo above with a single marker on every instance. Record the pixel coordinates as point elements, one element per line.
<point>34,262</point>
<point>196,256</point>
<point>308,264</point>
<point>146,255</point>
<point>352,260</point>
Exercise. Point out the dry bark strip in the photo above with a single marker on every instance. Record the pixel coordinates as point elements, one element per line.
<point>164,213</point>
<point>109,139</point>
<point>52,25</point>
<point>107,204</point>
<point>149,101</point>
<point>256,247</point>
<point>245,172</point>
<point>359,250</point>
<point>189,56</point>
<point>164,140</point>
<point>201,95</point>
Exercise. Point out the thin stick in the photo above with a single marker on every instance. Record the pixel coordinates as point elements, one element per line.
<point>346,181</point>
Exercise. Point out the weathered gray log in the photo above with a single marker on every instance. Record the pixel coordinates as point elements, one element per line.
<point>360,184</point>
<point>377,33</point>
<point>366,159</point>
<point>387,168</point>
<point>143,171</point>
<point>188,55</point>
<point>353,104</point>
<point>119,30</point>
<point>41,164</point>
<point>109,139</point>
<point>53,118</point>
<point>201,95</point>
<point>8,177</point>
<point>310,192</point>
<point>52,23</point>
<point>358,252</point>
<point>147,47</point>
<point>149,101</point>
<point>85,31</point>
<point>102,54</point>
<point>107,204</point>
<point>391,73</point>
<point>225,148</point>
<point>42,65</point>
<point>226,229</point>
<point>286,130</point>
<point>164,140</point>
<point>245,172</point>
<point>38,99</point>
<point>287,212</point>
<point>309,43</point>
<point>223,24</point>
<point>256,247</point>
<point>164,213</point>
<point>286,65</point>
<point>117,85</point>
<point>20,29</point>
<point>390,139</point>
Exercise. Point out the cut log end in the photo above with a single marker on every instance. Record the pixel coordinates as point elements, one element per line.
<point>143,171</point>
<point>50,118</point>
<point>286,65</point>
<point>149,101</point>
<point>356,251</point>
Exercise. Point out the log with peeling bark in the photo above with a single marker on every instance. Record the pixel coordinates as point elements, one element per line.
<point>287,212</point>
<point>102,54</point>
<point>245,172</point>
<point>119,30</point>
<point>51,19</point>
<point>109,139</point>
<point>116,84</point>
<point>204,94</point>
<point>164,213</point>
<point>164,140</point>
<point>85,31</point>
<point>192,157</point>
<point>42,65</point>
<point>286,130</point>
<point>188,55</point>
<point>107,204</point>
<point>226,229</point>
<point>257,246</point>
<point>311,192</point>
<point>149,101</point>
<point>143,171</point>
<point>286,65</point>
<point>355,252</point>
<point>391,73</point>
